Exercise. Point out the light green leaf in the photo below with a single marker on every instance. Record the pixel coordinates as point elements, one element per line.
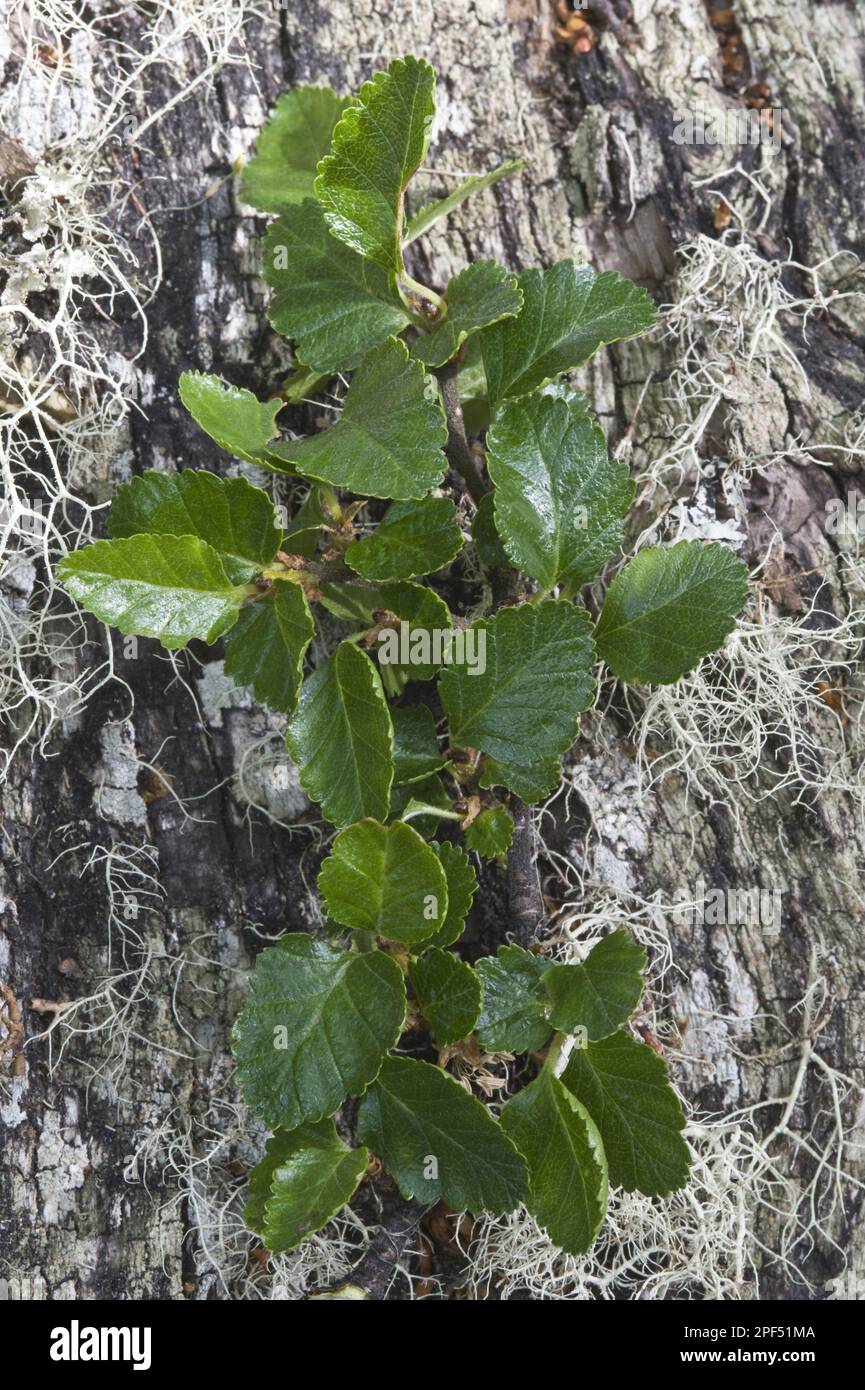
<point>433,212</point>
<point>334,305</point>
<point>559,498</point>
<point>624,1086</point>
<point>377,146</point>
<point>413,538</point>
<point>384,879</point>
<point>297,135</point>
<point>490,833</point>
<point>388,441</point>
<point>315,1028</point>
<point>266,647</point>
<point>668,608</point>
<point>449,994</point>
<point>515,1004</point>
<point>342,739</point>
<point>306,1176</point>
<point>528,699</point>
<point>236,419</point>
<point>462,886</point>
<point>480,295</point>
<point>171,587</point>
<point>601,992</point>
<point>568,313</point>
<point>438,1141</point>
<point>234,517</point>
<point>565,1155</point>
<point>413,604</point>
<point>416,751</point>
<point>303,531</point>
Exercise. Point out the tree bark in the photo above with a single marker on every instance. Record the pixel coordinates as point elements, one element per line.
<point>106,1162</point>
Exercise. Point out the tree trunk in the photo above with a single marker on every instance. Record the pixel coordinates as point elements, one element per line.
<point>159,835</point>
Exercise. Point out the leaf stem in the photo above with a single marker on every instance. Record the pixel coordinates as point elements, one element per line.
<point>459,454</point>
<point>524,889</point>
<point>424,291</point>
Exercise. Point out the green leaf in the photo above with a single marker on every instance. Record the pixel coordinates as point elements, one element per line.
<point>480,295</point>
<point>303,531</point>
<point>491,552</point>
<point>538,678</point>
<point>384,879</point>
<point>462,886</point>
<point>234,517</point>
<point>342,739</point>
<point>377,146</point>
<point>266,647</point>
<point>438,1141</point>
<point>414,604</point>
<point>309,1188</point>
<point>529,781</point>
<point>334,305</point>
<point>433,212</point>
<point>565,1155</point>
<point>388,441</point>
<point>568,313</point>
<point>668,608</point>
<point>449,994</point>
<point>490,833</point>
<point>315,1028</point>
<point>424,804</point>
<point>624,1086</point>
<point>515,1004</point>
<point>171,587</point>
<point>297,135</point>
<point>559,498</point>
<point>416,751</point>
<point>601,992</point>
<point>236,419</point>
<point>306,1176</point>
<point>412,538</point>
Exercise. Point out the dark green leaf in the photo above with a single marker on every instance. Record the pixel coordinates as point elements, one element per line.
<point>624,1086</point>
<point>462,886</point>
<point>491,552</point>
<point>234,517</point>
<point>384,879</point>
<point>342,740</point>
<point>297,135</point>
<point>515,1004</point>
<point>377,146</point>
<point>305,1177</point>
<point>416,750</point>
<point>408,652</point>
<point>334,305</point>
<point>413,538</point>
<point>490,833</point>
<point>537,680</point>
<point>315,1029</point>
<point>480,295</point>
<point>568,313</point>
<point>559,498</point>
<point>668,609</point>
<point>266,647</point>
<point>601,992</point>
<point>449,994</point>
<point>567,1168</point>
<point>388,441</point>
<point>438,1141</point>
<point>529,781</point>
<point>171,587</point>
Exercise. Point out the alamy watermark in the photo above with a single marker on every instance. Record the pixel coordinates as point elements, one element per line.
<point>750,906</point>
<point>696,125</point>
<point>434,646</point>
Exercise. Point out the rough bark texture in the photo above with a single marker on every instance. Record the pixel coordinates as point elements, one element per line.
<point>603,179</point>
